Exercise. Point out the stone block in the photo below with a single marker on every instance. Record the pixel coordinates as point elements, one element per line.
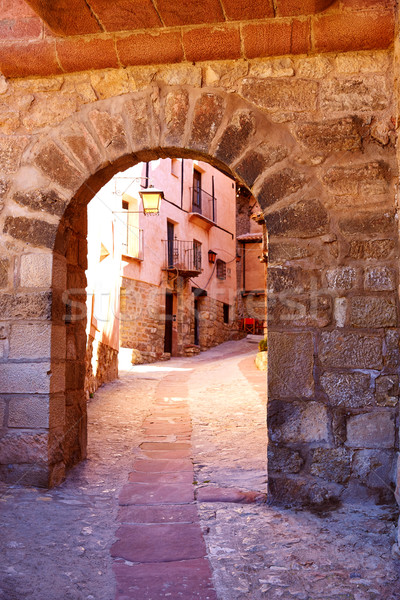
<point>361,94</point>
<point>59,279</point>
<point>281,95</point>
<point>85,54</point>
<point>26,306</point>
<point>295,279</point>
<point>26,474</point>
<point>305,219</point>
<point>29,412</point>
<point>312,310</point>
<point>280,185</point>
<point>332,464</point>
<point>283,460</point>
<point>341,278</point>
<point>377,249</point>
<point>379,279</point>
<point>298,422</point>
<point>30,340</point>
<point>11,149</point>
<point>256,161</point>
<point>25,378</point>
<point>32,231</point>
<point>2,412</point>
<point>208,114</point>
<point>350,390</point>
<point>334,135</point>
<point>175,114</point>
<point>236,136</point>
<point>83,148</point>
<point>370,311</point>
<point>340,311</point>
<point>291,362</point>
<point>111,132</point>
<point>373,468</point>
<point>36,270</point>
<point>314,67</point>
<point>4,269</point>
<point>387,390</point>
<point>283,251</point>
<point>212,43</point>
<point>274,38</point>
<point>44,201</point>
<point>392,348</point>
<point>304,491</point>
<point>350,350</point>
<point>141,127</point>
<point>23,447</point>
<point>365,30</point>
<point>58,167</point>
<point>57,411</point>
<point>138,49</point>
<point>371,430</point>
<point>368,179</point>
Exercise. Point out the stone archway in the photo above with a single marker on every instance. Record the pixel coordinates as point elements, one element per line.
<point>332,317</point>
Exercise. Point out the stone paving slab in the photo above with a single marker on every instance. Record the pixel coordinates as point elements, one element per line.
<point>218,494</point>
<point>186,580</point>
<point>167,454</point>
<point>175,513</point>
<point>163,466</point>
<point>164,446</point>
<point>156,493</point>
<point>158,543</point>
<point>151,477</point>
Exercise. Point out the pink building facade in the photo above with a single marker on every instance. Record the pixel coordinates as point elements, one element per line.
<point>162,285</point>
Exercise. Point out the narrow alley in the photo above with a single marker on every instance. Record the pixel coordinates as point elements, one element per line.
<point>171,503</point>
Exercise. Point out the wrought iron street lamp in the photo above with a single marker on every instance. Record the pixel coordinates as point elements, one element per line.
<point>151,199</point>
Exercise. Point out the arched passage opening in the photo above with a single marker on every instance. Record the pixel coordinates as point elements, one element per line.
<point>332,326</point>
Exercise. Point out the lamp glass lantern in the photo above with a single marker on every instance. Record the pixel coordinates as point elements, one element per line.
<point>212,256</point>
<point>151,199</point>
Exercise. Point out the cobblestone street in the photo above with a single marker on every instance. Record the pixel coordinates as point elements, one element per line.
<point>171,504</point>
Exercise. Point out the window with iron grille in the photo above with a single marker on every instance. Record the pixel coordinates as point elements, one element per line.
<point>221,269</point>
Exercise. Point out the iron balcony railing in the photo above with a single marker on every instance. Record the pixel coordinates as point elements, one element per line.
<point>182,255</point>
<point>204,204</point>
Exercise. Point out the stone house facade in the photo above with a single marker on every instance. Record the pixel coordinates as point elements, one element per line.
<point>299,102</point>
<point>151,284</point>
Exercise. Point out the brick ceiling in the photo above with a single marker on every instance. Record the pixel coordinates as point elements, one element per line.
<point>50,37</point>
<point>79,17</point>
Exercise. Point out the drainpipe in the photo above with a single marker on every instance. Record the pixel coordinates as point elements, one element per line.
<point>182,183</point>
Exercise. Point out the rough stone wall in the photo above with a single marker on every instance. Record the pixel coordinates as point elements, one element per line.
<point>213,330</point>
<point>313,139</point>
<point>101,365</point>
<point>142,318</point>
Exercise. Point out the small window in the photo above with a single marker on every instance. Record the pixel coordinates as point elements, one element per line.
<point>125,205</point>
<point>221,269</point>
<point>226,313</point>
<point>175,167</point>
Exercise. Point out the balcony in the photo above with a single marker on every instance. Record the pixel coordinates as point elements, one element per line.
<point>204,208</point>
<point>182,257</point>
